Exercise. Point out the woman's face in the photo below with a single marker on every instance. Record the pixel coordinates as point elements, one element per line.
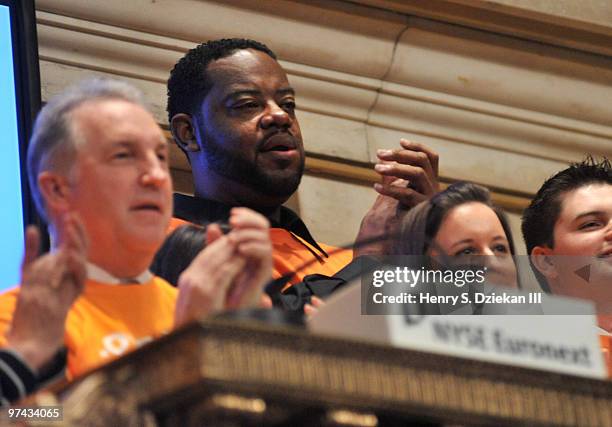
<point>473,229</point>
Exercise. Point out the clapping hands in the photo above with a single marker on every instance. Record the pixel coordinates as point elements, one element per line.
<point>230,272</point>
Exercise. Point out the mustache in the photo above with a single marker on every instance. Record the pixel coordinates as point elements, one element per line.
<point>281,132</point>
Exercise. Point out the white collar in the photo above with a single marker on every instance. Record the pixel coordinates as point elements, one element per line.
<point>602,331</point>
<point>100,275</point>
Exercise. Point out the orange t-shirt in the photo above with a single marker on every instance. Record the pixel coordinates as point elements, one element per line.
<point>291,252</point>
<point>107,321</point>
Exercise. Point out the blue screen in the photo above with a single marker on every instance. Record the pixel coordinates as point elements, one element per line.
<point>11,212</point>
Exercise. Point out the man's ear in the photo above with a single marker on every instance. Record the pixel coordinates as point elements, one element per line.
<point>55,191</point>
<point>183,131</point>
<point>541,257</point>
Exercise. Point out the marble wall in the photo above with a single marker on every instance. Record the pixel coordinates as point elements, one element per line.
<point>504,105</point>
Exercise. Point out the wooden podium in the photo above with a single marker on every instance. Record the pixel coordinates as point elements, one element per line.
<point>233,373</point>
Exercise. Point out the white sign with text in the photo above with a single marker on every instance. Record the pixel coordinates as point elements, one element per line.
<point>568,344</point>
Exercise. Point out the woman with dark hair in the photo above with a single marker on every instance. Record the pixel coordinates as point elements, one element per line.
<point>461,221</point>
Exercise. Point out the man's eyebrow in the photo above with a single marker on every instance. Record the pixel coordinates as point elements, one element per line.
<point>239,92</point>
<point>122,143</point>
<point>286,91</point>
<point>582,215</point>
<point>128,143</point>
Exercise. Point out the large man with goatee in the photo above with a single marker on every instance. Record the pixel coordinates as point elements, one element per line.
<point>232,110</point>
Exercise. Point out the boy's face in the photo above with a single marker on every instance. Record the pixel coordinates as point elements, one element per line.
<point>580,263</point>
<point>584,226</point>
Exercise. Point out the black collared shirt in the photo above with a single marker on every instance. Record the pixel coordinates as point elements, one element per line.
<point>203,211</point>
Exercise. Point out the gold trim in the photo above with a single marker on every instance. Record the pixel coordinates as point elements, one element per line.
<point>296,368</point>
<point>366,175</point>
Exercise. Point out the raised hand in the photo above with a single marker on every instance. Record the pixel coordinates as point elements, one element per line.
<point>409,176</point>
<point>49,286</point>
<point>414,163</point>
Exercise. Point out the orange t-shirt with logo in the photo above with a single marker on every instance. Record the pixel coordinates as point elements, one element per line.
<point>290,253</point>
<point>107,321</point>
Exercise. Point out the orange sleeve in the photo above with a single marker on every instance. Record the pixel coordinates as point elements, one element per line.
<point>8,300</point>
<point>291,253</point>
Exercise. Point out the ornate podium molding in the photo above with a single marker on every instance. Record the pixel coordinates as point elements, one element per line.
<point>254,374</point>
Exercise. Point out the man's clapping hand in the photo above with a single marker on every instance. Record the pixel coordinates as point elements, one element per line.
<point>49,286</point>
<point>409,175</point>
<point>230,272</point>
